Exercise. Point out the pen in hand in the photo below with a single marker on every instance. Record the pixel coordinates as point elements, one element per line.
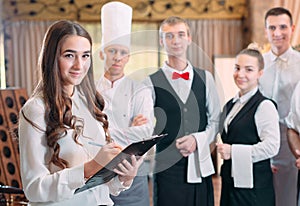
<point>101,145</point>
<point>96,144</point>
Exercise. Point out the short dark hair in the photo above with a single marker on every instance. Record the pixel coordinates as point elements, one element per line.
<point>279,11</point>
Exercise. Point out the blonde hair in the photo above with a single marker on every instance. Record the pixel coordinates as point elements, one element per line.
<point>254,51</point>
<point>173,20</point>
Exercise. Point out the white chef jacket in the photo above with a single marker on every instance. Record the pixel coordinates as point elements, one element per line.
<point>125,99</point>
<point>43,182</point>
<point>182,88</point>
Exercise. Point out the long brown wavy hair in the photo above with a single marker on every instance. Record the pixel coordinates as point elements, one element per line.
<point>58,104</point>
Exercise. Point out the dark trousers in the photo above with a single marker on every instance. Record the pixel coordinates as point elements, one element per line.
<point>171,186</point>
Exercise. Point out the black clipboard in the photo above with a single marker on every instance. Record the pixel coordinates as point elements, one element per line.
<point>106,173</point>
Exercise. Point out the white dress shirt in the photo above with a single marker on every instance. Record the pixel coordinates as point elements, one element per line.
<point>180,86</point>
<point>43,182</point>
<point>267,124</point>
<point>281,74</point>
<point>293,119</point>
<point>125,99</point>
<point>204,138</point>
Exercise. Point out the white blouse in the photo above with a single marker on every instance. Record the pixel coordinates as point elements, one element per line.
<point>43,182</point>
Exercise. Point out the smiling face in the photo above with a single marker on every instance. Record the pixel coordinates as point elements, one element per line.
<point>279,32</point>
<point>175,39</point>
<point>115,58</point>
<point>246,73</point>
<point>74,61</point>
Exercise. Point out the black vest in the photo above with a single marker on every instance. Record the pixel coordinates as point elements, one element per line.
<point>173,116</point>
<point>242,130</point>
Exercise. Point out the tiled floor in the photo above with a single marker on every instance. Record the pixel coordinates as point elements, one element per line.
<point>217,189</point>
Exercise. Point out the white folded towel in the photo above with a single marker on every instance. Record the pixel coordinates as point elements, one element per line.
<point>242,166</point>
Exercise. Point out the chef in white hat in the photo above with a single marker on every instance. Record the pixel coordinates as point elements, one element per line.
<point>129,107</point>
<point>116,24</point>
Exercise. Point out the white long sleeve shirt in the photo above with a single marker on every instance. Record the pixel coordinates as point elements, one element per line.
<point>267,124</point>
<point>293,119</point>
<point>43,182</point>
<point>281,74</point>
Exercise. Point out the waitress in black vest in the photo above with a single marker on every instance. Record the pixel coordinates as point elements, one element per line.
<point>250,135</point>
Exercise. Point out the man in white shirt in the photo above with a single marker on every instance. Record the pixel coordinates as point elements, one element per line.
<point>128,105</point>
<point>280,77</point>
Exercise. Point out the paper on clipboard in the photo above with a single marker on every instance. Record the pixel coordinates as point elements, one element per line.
<point>106,173</point>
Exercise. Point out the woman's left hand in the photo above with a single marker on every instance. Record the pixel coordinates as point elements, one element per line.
<point>127,171</point>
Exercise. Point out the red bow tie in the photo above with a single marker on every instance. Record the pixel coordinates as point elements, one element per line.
<point>184,75</point>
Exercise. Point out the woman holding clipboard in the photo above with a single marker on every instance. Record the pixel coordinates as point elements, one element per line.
<point>57,122</point>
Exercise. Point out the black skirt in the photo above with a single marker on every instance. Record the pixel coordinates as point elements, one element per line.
<point>262,194</point>
<point>231,196</point>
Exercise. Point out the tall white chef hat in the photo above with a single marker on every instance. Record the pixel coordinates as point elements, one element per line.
<point>116,24</point>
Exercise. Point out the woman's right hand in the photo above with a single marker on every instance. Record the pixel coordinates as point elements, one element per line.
<point>104,156</point>
<point>224,150</point>
<point>107,153</point>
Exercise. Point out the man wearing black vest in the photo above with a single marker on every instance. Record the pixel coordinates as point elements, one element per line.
<point>187,109</point>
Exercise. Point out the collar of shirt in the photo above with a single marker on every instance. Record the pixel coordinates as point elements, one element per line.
<point>182,87</point>
<point>107,84</point>
<point>284,57</point>
<point>169,71</point>
<point>239,104</point>
<point>243,99</point>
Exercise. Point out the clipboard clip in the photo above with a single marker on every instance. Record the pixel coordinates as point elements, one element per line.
<point>153,137</point>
